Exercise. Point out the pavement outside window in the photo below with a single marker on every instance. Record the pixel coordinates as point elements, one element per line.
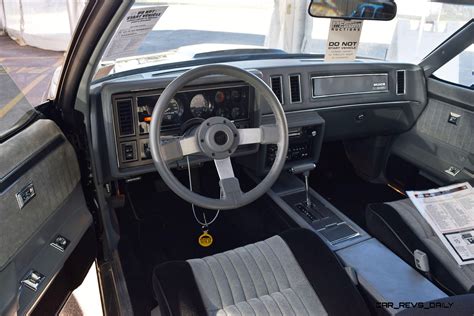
<point>85,300</point>
<point>25,74</point>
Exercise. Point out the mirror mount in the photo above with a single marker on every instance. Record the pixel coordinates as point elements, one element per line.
<point>378,10</point>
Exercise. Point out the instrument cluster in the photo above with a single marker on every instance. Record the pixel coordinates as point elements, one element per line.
<point>231,102</point>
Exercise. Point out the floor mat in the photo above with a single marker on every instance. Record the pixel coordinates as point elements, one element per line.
<point>334,178</point>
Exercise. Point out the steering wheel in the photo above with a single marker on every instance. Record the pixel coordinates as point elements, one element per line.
<point>218,138</point>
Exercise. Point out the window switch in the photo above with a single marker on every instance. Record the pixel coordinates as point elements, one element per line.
<point>454,118</point>
<point>60,243</point>
<point>33,280</point>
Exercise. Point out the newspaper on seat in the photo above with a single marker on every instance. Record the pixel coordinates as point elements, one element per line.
<point>450,212</point>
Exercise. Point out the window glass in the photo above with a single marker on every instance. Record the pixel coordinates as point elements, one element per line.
<point>34,36</point>
<point>189,28</point>
<point>460,69</point>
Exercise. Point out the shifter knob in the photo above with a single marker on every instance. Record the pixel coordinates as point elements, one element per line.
<point>305,170</point>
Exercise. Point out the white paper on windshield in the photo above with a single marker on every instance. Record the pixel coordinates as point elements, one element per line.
<point>343,40</point>
<point>132,31</point>
<point>450,212</point>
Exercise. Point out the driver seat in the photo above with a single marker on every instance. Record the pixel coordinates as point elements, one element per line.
<point>293,273</point>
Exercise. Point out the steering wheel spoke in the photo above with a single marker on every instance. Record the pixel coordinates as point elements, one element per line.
<point>229,184</point>
<point>265,134</point>
<point>178,148</point>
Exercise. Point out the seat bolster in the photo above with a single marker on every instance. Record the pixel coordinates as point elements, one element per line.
<point>386,223</point>
<point>182,295</point>
<point>326,274</point>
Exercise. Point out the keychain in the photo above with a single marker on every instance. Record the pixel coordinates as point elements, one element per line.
<point>205,239</point>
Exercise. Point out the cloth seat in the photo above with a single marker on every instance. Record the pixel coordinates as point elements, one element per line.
<point>403,229</point>
<point>293,273</point>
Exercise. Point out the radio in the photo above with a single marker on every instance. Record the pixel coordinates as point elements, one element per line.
<point>303,143</point>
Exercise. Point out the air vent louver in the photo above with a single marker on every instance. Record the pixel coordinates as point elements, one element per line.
<point>295,88</point>
<point>277,87</point>
<point>401,88</point>
<point>125,117</point>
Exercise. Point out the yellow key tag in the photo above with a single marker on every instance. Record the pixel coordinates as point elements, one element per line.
<point>205,240</point>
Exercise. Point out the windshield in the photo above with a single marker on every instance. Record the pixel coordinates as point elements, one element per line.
<point>186,30</point>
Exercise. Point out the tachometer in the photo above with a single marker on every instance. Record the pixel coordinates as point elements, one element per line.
<point>173,112</point>
<point>200,106</point>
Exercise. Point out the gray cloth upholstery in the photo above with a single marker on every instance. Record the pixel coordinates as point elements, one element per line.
<point>259,279</point>
<point>294,273</point>
<point>54,176</point>
<point>464,275</point>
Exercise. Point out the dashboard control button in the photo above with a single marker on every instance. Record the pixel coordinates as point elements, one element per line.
<point>360,117</point>
<point>129,151</point>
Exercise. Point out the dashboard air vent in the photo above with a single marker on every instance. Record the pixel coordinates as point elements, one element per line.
<point>125,117</point>
<point>277,87</point>
<point>295,88</point>
<point>401,84</point>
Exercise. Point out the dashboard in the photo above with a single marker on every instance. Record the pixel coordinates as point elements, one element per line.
<point>322,102</point>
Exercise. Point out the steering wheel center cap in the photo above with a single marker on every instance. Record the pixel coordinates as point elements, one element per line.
<point>218,137</point>
<point>221,138</point>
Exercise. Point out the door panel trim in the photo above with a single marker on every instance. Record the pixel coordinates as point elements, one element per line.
<point>450,93</point>
<point>73,219</point>
<point>19,170</point>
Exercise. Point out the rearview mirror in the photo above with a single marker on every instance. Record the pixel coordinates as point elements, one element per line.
<point>383,10</point>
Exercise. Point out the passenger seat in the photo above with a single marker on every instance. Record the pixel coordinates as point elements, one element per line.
<point>402,229</point>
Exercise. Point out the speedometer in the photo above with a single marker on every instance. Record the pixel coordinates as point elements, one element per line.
<point>200,106</point>
<point>173,112</point>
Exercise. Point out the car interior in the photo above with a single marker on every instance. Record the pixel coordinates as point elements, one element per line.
<point>270,184</point>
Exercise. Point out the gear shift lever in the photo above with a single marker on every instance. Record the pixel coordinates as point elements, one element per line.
<point>305,169</point>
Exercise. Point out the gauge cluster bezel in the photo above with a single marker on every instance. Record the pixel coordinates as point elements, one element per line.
<point>185,99</point>
<point>140,138</point>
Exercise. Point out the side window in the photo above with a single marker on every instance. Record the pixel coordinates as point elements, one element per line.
<point>460,69</point>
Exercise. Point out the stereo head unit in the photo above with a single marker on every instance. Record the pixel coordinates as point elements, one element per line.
<point>305,134</point>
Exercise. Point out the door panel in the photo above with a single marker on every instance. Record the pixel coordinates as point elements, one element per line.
<point>435,145</point>
<point>39,167</point>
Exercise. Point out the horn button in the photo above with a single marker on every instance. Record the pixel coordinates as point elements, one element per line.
<point>218,137</point>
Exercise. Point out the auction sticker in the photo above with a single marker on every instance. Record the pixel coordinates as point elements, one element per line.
<point>132,31</point>
<point>343,40</point>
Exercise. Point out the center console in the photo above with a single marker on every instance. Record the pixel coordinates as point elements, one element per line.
<point>321,216</point>
<point>388,281</point>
